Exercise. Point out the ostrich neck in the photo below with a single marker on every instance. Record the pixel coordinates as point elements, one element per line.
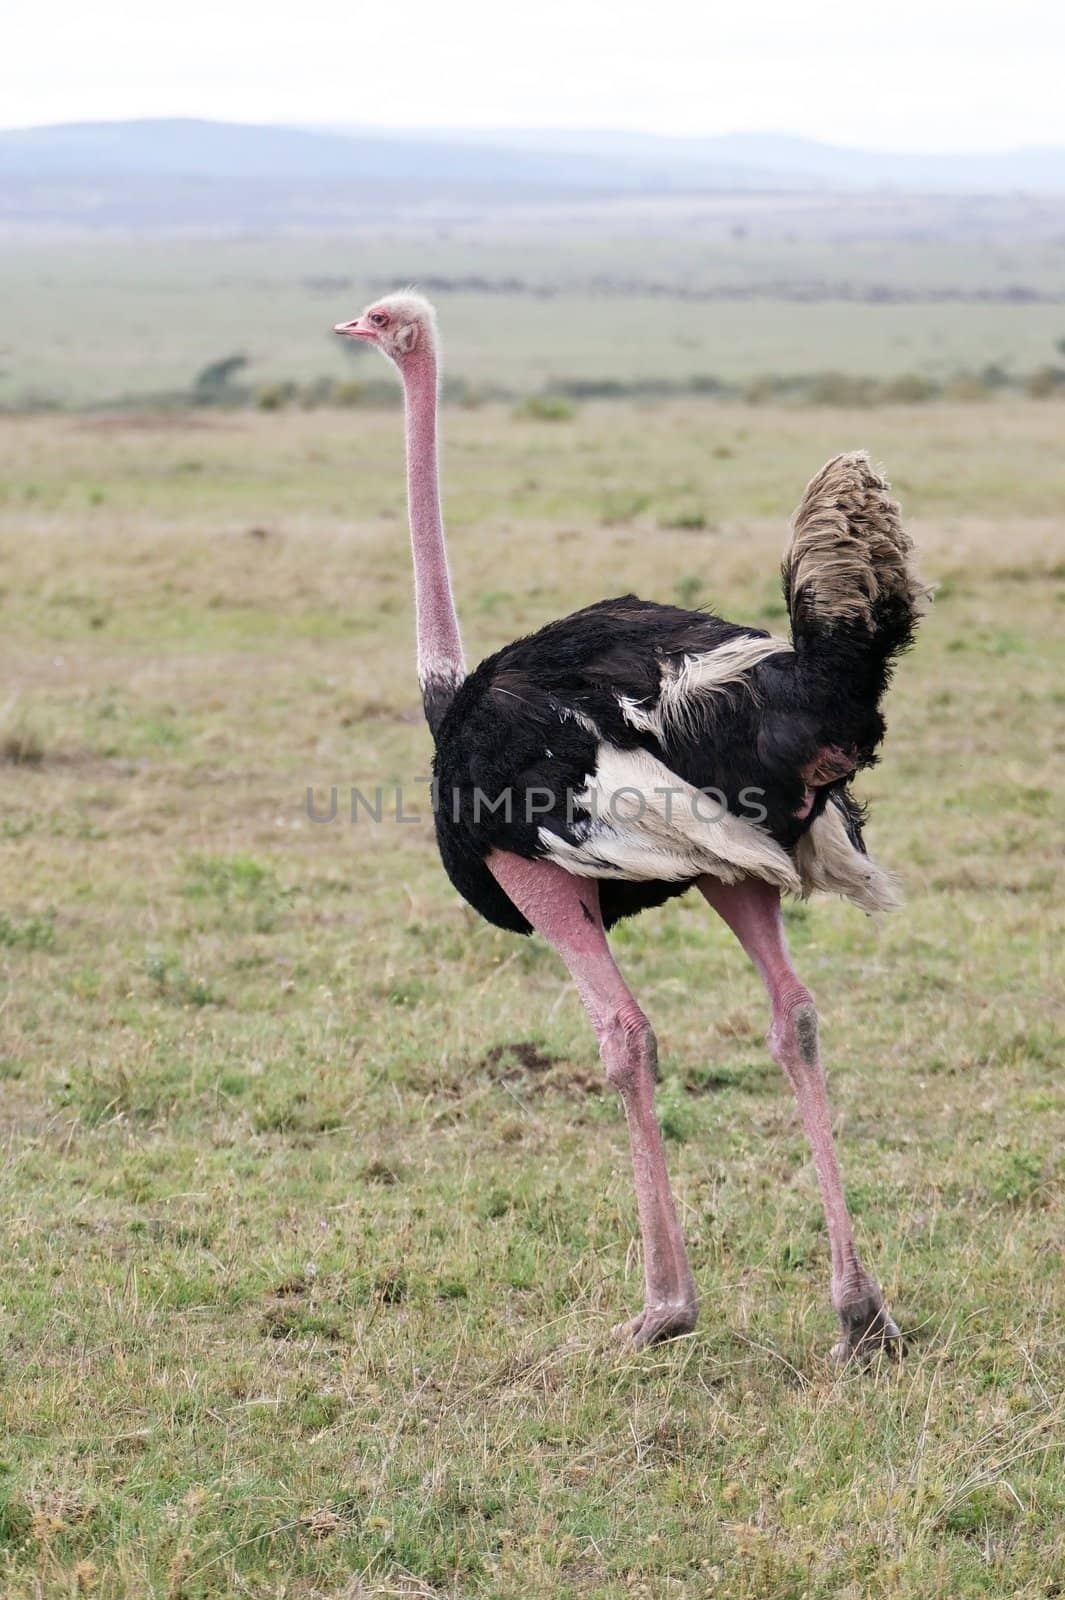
<point>439,644</point>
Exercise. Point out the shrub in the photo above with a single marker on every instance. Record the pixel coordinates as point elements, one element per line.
<point>968,386</point>
<point>349,393</point>
<point>459,392</point>
<point>1044,382</point>
<point>547,408</point>
<point>275,396</point>
<point>840,389</point>
<point>757,391</point>
<point>909,388</point>
<point>319,392</point>
<point>214,383</point>
<point>994,377</point>
<point>591,389</point>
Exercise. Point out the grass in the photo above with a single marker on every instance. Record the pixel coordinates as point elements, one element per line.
<point>624,300</point>
<point>317,1214</point>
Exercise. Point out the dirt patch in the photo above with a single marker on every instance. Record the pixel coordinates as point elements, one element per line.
<point>522,1062</point>
<point>378,1170</point>
<point>295,1285</point>
<point>515,1057</point>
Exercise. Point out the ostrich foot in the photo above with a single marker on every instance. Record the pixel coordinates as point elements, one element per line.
<point>867,1326</point>
<point>657,1323</point>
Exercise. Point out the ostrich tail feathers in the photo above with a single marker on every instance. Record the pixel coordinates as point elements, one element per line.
<point>851,562</point>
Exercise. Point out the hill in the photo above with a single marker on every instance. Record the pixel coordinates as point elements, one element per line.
<point>195,175</point>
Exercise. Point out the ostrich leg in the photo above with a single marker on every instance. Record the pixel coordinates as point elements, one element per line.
<point>752,910</point>
<point>565,910</point>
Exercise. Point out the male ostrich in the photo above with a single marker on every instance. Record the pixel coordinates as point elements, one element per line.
<point>576,772</point>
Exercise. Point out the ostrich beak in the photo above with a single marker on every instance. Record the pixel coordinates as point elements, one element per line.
<point>351,330</point>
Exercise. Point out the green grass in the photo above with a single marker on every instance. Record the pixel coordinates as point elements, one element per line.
<point>626,300</point>
<point>316,1210</point>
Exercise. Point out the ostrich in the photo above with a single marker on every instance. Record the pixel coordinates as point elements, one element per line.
<point>633,751</point>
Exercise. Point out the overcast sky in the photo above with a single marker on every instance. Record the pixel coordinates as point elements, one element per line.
<point>910,75</point>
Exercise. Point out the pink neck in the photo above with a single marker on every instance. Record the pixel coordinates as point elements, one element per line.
<point>439,643</point>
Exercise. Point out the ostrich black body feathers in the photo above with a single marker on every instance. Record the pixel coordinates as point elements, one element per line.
<point>523,732</point>
<point>628,695</point>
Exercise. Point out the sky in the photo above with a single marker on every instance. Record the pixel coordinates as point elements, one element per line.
<point>938,75</point>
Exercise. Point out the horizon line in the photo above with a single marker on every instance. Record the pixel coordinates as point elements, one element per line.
<point>439,132</point>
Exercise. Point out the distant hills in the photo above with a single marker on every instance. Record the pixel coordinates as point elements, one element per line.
<point>775,160</point>
<point>187,173</point>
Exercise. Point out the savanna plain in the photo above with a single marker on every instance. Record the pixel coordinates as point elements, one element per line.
<point>316,1210</point>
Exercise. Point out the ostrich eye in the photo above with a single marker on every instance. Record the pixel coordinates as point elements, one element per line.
<point>378,319</point>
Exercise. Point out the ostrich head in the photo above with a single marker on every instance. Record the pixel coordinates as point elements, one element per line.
<point>401,325</point>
